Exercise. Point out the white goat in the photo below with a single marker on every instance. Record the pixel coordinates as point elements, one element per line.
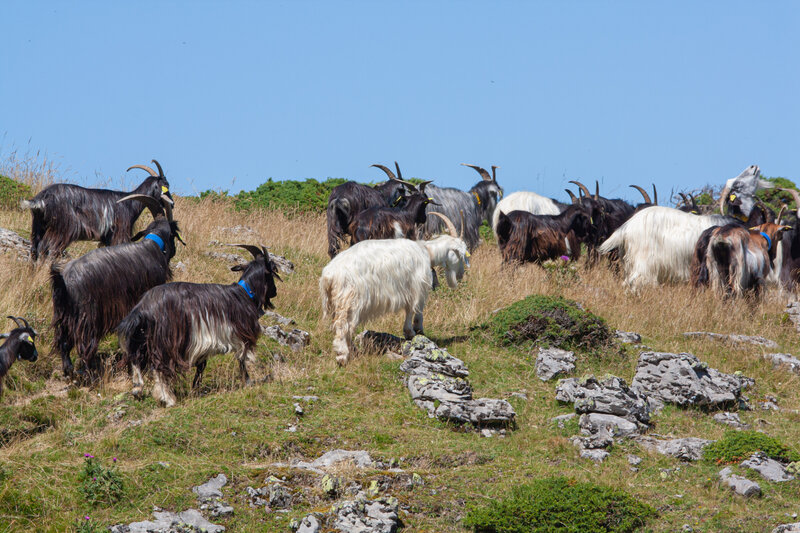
<point>656,244</point>
<point>524,201</point>
<point>376,277</point>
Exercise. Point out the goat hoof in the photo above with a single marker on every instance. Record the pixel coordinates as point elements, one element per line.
<point>136,392</point>
<point>341,360</point>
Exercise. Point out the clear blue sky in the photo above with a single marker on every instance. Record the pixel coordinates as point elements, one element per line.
<point>677,93</point>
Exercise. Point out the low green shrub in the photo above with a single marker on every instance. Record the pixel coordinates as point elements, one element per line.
<point>549,321</point>
<point>100,484</point>
<point>737,446</point>
<point>560,505</point>
<point>12,191</point>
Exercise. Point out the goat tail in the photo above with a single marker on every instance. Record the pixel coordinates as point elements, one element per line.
<point>720,263</point>
<point>131,338</point>
<point>33,205</point>
<point>328,301</point>
<point>338,215</point>
<point>615,242</point>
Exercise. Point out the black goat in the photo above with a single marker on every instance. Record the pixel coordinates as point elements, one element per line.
<point>646,197</point>
<point>93,293</point>
<point>18,346</point>
<point>350,198</point>
<point>63,214</point>
<point>788,262</point>
<point>393,222</point>
<point>606,216</point>
<point>179,325</point>
<point>524,237</point>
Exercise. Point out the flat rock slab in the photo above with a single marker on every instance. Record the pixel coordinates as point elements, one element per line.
<point>627,337</point>
<point>784,360</point>
<point>733,339</point>
<point>683,380</point>
<point>358,458</point>
<point>309,524</point>
<point>553,362</point>
<point>15,244</point>
<point>616,426</point>
<point>212,488</point>
<point>361,516</point>
<point>609,395</point>
<point>166,522</point>
<point>731,419</point>
<point>687,449</point>
<point>280,319</point>
<point>740,485</point>
<point>787,528</point>
<point>793,310</point>
<point>296,339</point>
<point>770,469</point>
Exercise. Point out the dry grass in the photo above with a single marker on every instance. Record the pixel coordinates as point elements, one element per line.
<point>241,430</point>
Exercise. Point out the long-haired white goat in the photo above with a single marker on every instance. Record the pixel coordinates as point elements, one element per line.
<point>525,201</point>
<point>376,277</point>
<point>656,244</point>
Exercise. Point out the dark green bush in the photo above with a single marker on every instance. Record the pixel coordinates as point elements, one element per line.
<point>11,192</point>
<point>560,505</point>
<point>288,195</point>
<point>549,321</point>
<point>775,198</point>
<point>736,446</point>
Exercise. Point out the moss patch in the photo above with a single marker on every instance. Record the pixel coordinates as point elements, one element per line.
<point>737,446</point>
<point>11,192</point>
<point>560,505</point>
<point>549,321</point>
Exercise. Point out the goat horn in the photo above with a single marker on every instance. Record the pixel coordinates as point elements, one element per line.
<point>722,198</point>
<point>684,198</point>
<point>399,174</point>
<point>16,321</point>
<point>780,214</point>
<point>423,185</point>
<point>144,167</point>
<point>494,175</point>
<point>583,188</point>
<point>447,222</point>
<point>481,171</point>
<point>795,196</point>
<point>160,172</point>
<point>644,193</point>
<point>253,249</point>
<point>572,196</point>
<point>411,186</point>
<point>461,235</point>
<point>156,208</point>
<point>388,172</point>
<point>596,190</point>
<point>694,202</point>
<point>655,195</point>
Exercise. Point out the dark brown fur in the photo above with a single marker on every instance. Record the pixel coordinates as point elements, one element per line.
<point>524,237</point>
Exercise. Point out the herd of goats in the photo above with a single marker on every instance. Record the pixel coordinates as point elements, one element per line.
<point>400,234</point>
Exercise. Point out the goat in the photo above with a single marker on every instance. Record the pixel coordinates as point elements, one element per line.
<point>93,293</point>
<point>350,198</point>
<point>179,325</point>
<point>737,259</point>
<point>477,205</point>
<point>18,346</point>
<point>376,277</point>
<point>523,237</point>
<point>656,244</point>
<point>531,202</point>
<point>646,197</point>
<point>392,223</point>
<point>606,216</point>
<point>64,213</point>
<point>738,197</point>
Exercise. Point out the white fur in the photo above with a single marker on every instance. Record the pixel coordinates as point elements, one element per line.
<point>656,244</point>
<point>524,201</point>
<point>749,266</point>
<point>376,277</point>
<point>211,337</point>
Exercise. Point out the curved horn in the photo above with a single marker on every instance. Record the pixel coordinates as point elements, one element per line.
<point>795,196</point>
<point>644,193</point>
<point>481,171</point>
<point>399,174</point>
<point>694,202</point>
<point>160,172</point>
<point>156,208</point>
<point>596,190</point>
<point>655,195</point>
<point>571,196</point>
<point>582,188</point>
<point>423,185</point>
<point>253,249</point>
<point>411,186</point>
<point>494,175</point>
<point>388,172</point>
<point>144,167</point>
<point>16,321</point>
<point>461,235</point>
<point>447,222</point>
<point>684,198</point>
<point>780,214</point>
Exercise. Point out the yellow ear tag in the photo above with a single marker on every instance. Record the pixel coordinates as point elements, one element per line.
<point>27,338</point>
<point>732,197</point>
<point>164,189</point>
<point>468,254</point>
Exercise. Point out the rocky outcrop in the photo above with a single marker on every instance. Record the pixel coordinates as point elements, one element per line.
<point>11,242</point>
<point>736,340</point>
<point>687,449</point>
<point>770,469</point>
<point>553,362</point>
<point>367,516</point>
<point>731,419</point>
<point>784,360</point>
<point>437,383</point>
<point>627,337</point>
<point>296,339</point>
<point>740,485</point>
<point>190,521</point>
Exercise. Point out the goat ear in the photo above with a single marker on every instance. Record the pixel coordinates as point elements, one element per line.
<point>138,236</point>
<point>3,335</point>
<point>238,268</point>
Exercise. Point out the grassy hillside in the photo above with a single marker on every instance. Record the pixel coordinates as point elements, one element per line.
<point>46,427</point>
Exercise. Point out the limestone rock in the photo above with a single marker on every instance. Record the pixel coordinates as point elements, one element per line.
<point>615,426</point>
<point>686,449</point>
<point>361,516</point>
<point>770,469</point>
<point>610,395</point>
<point>787,528</point>
<point>15,244</point>
<point>731,419</point>
<point>739,484</point>
<point>561,419</point>
<point>552,362</point>
<point>793,310</point>
<point>296,339</point>
<point>166,522</point>
<point>628,337</point>
<point>785,360</point>
<point>308,524</point>
<point>358,458</point>
<point>683,380</point>
<point>211,488</point>
<point>733,339</point>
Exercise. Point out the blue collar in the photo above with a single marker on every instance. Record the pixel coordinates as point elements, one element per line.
<point>769,241</point>
<point>156,239</point>
<point>250,292</point>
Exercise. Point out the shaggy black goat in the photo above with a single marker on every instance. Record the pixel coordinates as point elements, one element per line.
<point>477,205</point>
<point>606,216</point>
<point>93,293</point>
<point>63,214</point>
<point>179,325</point>
<point>392,222</point>
<point>524,237</point>
<point>18,346</point>
<point>350,198</point>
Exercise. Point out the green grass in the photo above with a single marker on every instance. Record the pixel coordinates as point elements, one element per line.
<point>737,446</point>
<point>12,191</point>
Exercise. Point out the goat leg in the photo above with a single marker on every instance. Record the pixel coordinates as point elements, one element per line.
<point>66,361</point>
<point>138,382</point>
<point>198,374</point>
<point>161,391</point>
<point>243,359</point>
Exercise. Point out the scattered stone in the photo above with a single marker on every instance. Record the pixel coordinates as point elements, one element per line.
<point>615,426</point>
<point>520,395</point>
<point>180,266</point>
<point>330,485</point>
<point>15,244</point>
<point>787,528</point>
<point>377,342</point>
<point>598,455</point>
<point>359,459</point>
<point>362,516</point>
<point>309,524</point>
<point>683,380</point>
<point>283,265</point>
<point>739,484</point>
<point>786,360</point>
<point>561,419</point>
<point>309,399</point>
<point>437,383</point>
<point>211,488</point>
<point>298,409</point>
<point>793,310</point>
<point>770,469</point>
<point>166,522</point>
<point>634,460</point>
<point>552,362</point>
<point>731,419</point>
<point>609,395</point>
<point>687,449</point>
<point>627,337</point>
<point>734,339</point>
<point>234,259</point>
<point>279,318</point>
<point>296,339</point>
